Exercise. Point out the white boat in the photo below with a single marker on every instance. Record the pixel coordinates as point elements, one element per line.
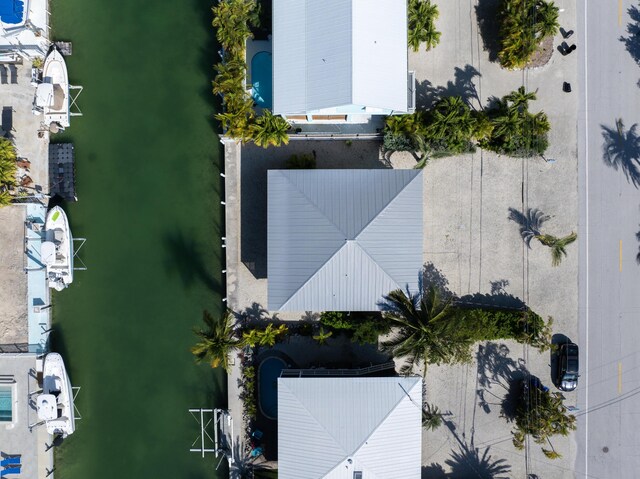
<point>52,95</point>
<point>55,404</point>
<point>57,249</point>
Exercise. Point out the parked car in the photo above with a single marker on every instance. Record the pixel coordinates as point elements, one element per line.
<point>568,367</point>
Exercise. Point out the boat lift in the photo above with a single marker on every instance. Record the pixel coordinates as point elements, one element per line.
<point>81,242</point>
<point>222,440</point>
<point>74,93</point>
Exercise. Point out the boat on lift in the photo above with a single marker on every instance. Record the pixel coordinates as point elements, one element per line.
<point>57,249</point>
<point>52,95</point>
<point>55,404</point>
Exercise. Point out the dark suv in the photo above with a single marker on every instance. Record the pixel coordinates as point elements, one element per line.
<point>568,367</point>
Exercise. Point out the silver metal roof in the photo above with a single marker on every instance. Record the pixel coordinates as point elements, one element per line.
<point>332,427</point>
<point>339,53</point>
<point>339,240</point>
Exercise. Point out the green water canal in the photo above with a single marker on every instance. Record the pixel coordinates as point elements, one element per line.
<point>148,186</point>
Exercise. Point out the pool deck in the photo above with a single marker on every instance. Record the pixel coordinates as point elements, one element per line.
<point>34,446</point>
<point>36,12</point>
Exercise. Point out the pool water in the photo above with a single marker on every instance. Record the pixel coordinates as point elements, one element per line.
<point>6,414</point>
<point>11,11</point>
<point>262,79</point>
<point>268,374</point>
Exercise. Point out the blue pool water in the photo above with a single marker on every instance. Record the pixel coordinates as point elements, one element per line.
<point>11,11</point>
<point>262,79</point>
<point>268,374</point>
<point>5,404</point>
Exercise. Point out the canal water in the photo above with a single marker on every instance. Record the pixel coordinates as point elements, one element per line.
<point>148,186</point>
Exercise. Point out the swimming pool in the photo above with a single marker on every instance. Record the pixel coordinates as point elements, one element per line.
<point>268,374</point>
<point>11,11</point>
<point>6,406</point>
<point>262,79</point>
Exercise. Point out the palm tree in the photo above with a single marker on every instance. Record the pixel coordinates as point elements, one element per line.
<point>264,337</point>
<point>451,123</point>
<point>422,15</point>
<point>520,98</point>
<point>217,341</point>
<point>547,15</point>
<point>557,245</point>
<point>232,20</point>
<point>270,129</point>
<point>5,198</point>
<point>426,331</point>
<point>431,417</point>
<point>322,336</point>
<point>541,415</point>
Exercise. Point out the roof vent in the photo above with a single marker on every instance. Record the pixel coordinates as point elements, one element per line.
<point>357,474</point>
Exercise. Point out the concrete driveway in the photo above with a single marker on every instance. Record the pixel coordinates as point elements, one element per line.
<point>470,239</point>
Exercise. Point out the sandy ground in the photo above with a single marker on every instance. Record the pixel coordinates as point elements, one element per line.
<point>13,279</point>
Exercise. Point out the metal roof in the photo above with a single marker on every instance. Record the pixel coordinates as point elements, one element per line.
<point>333,427</point>
<point>339,240</point>
<point>339,53</point>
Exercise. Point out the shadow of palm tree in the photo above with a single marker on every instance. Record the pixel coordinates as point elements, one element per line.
<point>432,276</point>
<point>433,471</point>
<point>471,462</point>
<point>185,257</point>
<point>530,223</point>
<point>632,40</point>
<point>494,364</point>
<point>638,255</point>
<point>621,150</point>
<point>462,85</point>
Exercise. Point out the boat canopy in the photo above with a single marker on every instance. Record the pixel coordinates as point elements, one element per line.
<point>48,252</point>
<point>47,407</point>
<point>44,94</point>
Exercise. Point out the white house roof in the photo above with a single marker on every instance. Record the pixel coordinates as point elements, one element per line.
<point>335,53</point>
<point>333,427</point>
<point>339,240</point>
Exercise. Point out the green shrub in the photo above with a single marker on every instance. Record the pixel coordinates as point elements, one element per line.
<point>335,320</point>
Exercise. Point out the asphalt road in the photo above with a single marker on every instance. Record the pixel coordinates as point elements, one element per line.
<point>609,395</point>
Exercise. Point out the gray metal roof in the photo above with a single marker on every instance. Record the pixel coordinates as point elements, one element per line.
<point>331,427</point>
<point>338,53</point>
<point>339,240</point>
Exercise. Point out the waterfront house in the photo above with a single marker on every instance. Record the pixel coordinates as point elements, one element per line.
<point>339,240</point>
<point>349,428</point>
<point>340,61</point>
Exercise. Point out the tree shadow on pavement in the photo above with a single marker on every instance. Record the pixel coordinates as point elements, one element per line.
<point>487,13</point>
<point>529,223</point>
<point>500,300</point>
<point>427,95</point>
<point>621,150</point>
<point>432,276</point>
<point>632,40</point>
<point>638,255</point>
<point>494,365</point>
<point>468,461</point>
<point>472,462</point>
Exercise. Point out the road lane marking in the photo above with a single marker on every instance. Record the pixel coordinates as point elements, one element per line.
<point>619,13</point>
<point>619,378</point>
<point>621,256</point>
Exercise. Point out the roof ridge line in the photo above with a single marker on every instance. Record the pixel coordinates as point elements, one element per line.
<point>315,205</point>
<point>322,427</point>
<point>386,206</point>
<point>405,396</point>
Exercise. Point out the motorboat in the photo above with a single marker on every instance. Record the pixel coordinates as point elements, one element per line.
<point>55,404</point>
<point>52,95</point>
<point>57,249</point>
